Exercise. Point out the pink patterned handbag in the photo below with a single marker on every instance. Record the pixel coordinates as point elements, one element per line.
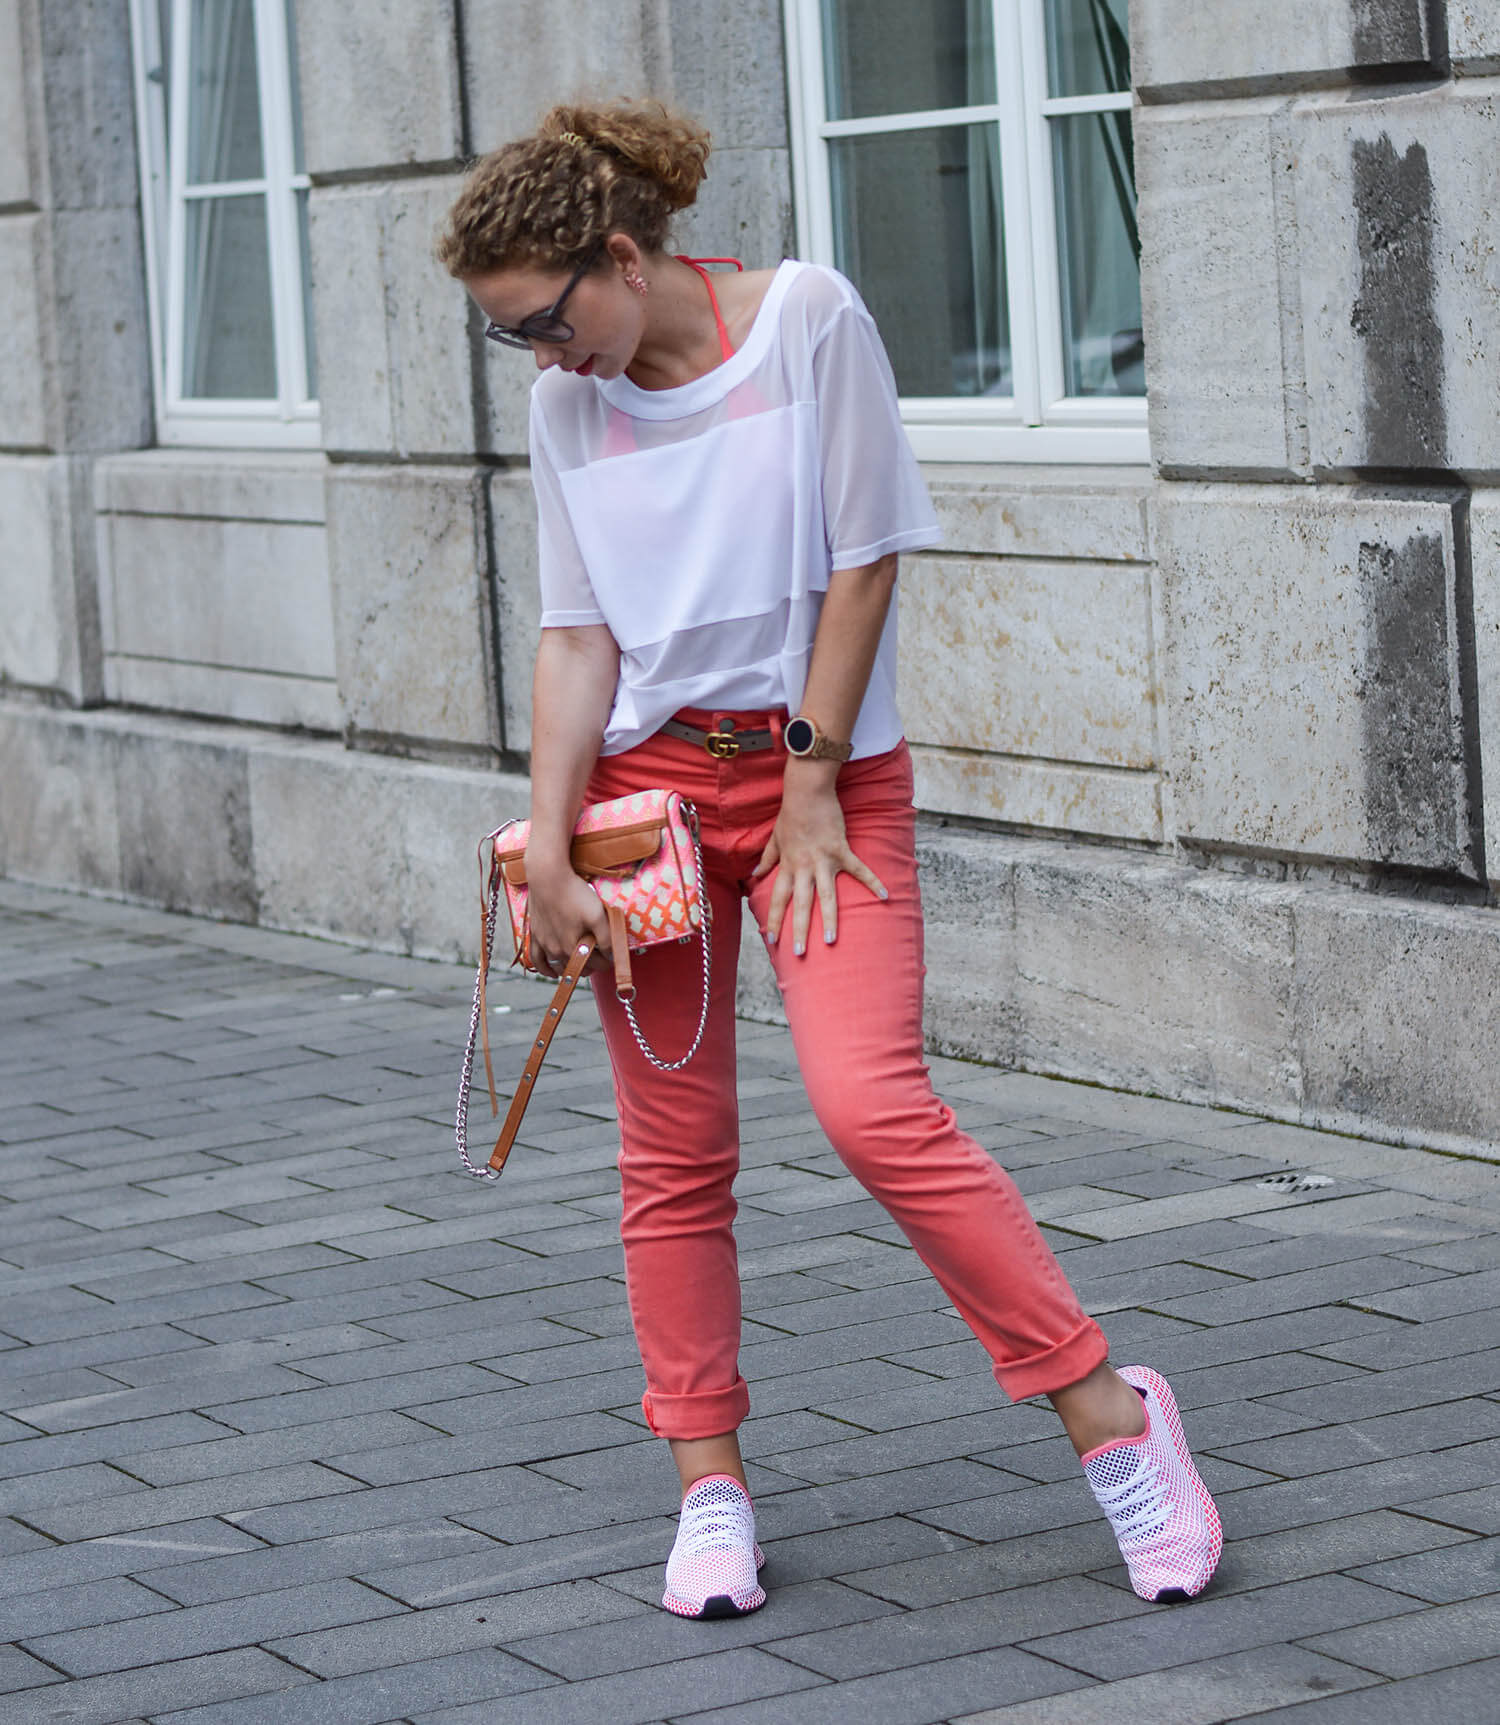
<point>640,853</point>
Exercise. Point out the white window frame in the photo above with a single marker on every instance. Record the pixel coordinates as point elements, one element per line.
<point>291,420</point>
<point>1040,422</point>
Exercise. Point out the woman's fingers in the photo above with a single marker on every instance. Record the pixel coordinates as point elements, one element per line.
<point>769,857</point>
<point>815,881</point>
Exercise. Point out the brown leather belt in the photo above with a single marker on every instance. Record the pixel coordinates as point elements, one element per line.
<point>725,742</point>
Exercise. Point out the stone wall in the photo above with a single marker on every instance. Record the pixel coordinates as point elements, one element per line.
<point>1209,753</point>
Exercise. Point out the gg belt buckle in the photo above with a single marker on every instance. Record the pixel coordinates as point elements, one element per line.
<point>722,744</point>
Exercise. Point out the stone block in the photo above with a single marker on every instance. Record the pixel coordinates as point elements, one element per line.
<point>1273,44</point>
<point>1144,975</point>
<point>1218,391</point>
<point>518,606</point>
<point>33,561</point>
<point>412,611</point>
<point>1313,676</point>
<point>968,888</point>
<point>238,485</point>
<point>728,69</point>
<point>58,816</point>
<point>1473,37</point>
<point>103,352</point>
<point>1484,540</point>
<point>744,210</point>
<point>1400,278</point>
<point>1048,796</point>
<point>88,99</point>
<point>1395,1010</point>
<point>395,341</point>
<point>1042,660</point>
<point>1082,513</point>
<point>403,835</point>
<point>183,813</point>
<point>16,172</point>
<point>244,595</point>
<point>24,346</point>
<point>507,379</point>
<point>379,84</point>
<point>215,585</point>
<point>574,49</point>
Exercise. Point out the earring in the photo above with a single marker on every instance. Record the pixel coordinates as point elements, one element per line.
<point>634,279</point>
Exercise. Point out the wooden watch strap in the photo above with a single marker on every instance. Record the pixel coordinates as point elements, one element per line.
<point>563,993</point>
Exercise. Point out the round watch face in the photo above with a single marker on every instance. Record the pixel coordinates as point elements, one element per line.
<point>799,736</point>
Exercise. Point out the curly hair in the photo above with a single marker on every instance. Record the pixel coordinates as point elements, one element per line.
<point>585,172</point>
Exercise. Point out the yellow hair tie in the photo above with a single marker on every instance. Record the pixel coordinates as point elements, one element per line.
<point>574,139</point>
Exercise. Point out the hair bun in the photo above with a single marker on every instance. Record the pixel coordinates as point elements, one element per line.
<point>645,137</point>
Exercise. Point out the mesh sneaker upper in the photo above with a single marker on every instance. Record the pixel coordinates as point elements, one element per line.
<point>712,1569</point>
<point>1163,1516</point>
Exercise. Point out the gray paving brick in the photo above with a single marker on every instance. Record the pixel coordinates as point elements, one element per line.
<point>189,1631</point>
<point>1465,1693</point>
<point>967,1626</point>
<point>53,1566</point>
<point>301,1405</point>
<point>257,1569</point>
<point>127,1695</point>
<point>118,1405</point>
<point>1412,1432</point>
<point>484,1622</point>
<point>131,1511</point>
<point>485,1675</point>
<point>117,1442</point>
<point>85,1604</point>
<point>1165,1637</point>
<point>1453,1573</point>
<point>1208,1692</point>
<point>1419,1642</point>
<point>19,1670</point>
<point>1476,1510</point>
<point>281,1521</point>
<point>328,1440</point>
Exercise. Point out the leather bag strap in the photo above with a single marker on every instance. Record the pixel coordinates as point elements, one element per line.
<point>563,993</point>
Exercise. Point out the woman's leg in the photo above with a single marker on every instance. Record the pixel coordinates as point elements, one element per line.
<point>855,1010</point>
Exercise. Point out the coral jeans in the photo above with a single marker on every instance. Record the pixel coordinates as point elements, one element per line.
<point>855,1011</point>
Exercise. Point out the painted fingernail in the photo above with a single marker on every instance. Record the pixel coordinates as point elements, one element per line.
<point>884,893</point>
<point>799,949</point>
<point>828,937</point>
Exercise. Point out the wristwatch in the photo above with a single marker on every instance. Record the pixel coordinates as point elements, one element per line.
<point>803,739</point>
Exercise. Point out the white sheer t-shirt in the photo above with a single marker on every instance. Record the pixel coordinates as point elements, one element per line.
<point>701,524</point>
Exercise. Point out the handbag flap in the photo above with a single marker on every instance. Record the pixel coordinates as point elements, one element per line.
<point>598,853</point>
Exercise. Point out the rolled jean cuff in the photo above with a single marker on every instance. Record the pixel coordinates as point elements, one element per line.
<point>1068,1362</point>
<point>707,1413</point>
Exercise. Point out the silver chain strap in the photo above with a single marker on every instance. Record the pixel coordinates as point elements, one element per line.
<point>461,1122</point>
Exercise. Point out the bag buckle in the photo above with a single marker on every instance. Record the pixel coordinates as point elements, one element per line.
<point>722,744</point>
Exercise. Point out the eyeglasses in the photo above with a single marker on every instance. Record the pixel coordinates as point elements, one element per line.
<point>544,326</point>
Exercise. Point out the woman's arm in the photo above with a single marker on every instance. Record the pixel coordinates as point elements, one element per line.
<point>809,841</point>
<point>573,688</point>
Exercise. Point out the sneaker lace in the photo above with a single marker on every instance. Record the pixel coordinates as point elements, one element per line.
<point>709,1527</point>
<point>1137,1507</point>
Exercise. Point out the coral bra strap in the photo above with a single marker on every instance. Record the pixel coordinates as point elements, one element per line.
<point>725,348</point>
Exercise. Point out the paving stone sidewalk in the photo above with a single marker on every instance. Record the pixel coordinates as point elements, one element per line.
<point>304,1427</point>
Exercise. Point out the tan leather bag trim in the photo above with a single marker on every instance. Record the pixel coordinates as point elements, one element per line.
<point>598,853</point>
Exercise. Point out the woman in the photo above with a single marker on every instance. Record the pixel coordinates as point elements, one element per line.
<point>723,486</point>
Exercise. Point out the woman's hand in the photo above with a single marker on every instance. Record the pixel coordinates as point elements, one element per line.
<point>811,847</point>
<point>562,909</point>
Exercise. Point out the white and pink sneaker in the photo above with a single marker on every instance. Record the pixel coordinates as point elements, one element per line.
<point>712,1569</point>
<point>1164,1519</point>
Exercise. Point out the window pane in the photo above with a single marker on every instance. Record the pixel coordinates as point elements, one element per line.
<point>309,335</point>
<point>1088,46</point>
<point>917,219</point>
<point>906,56</point>
<point>229,349</point>
<point>223,93</point>
<point>1099,254</point>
